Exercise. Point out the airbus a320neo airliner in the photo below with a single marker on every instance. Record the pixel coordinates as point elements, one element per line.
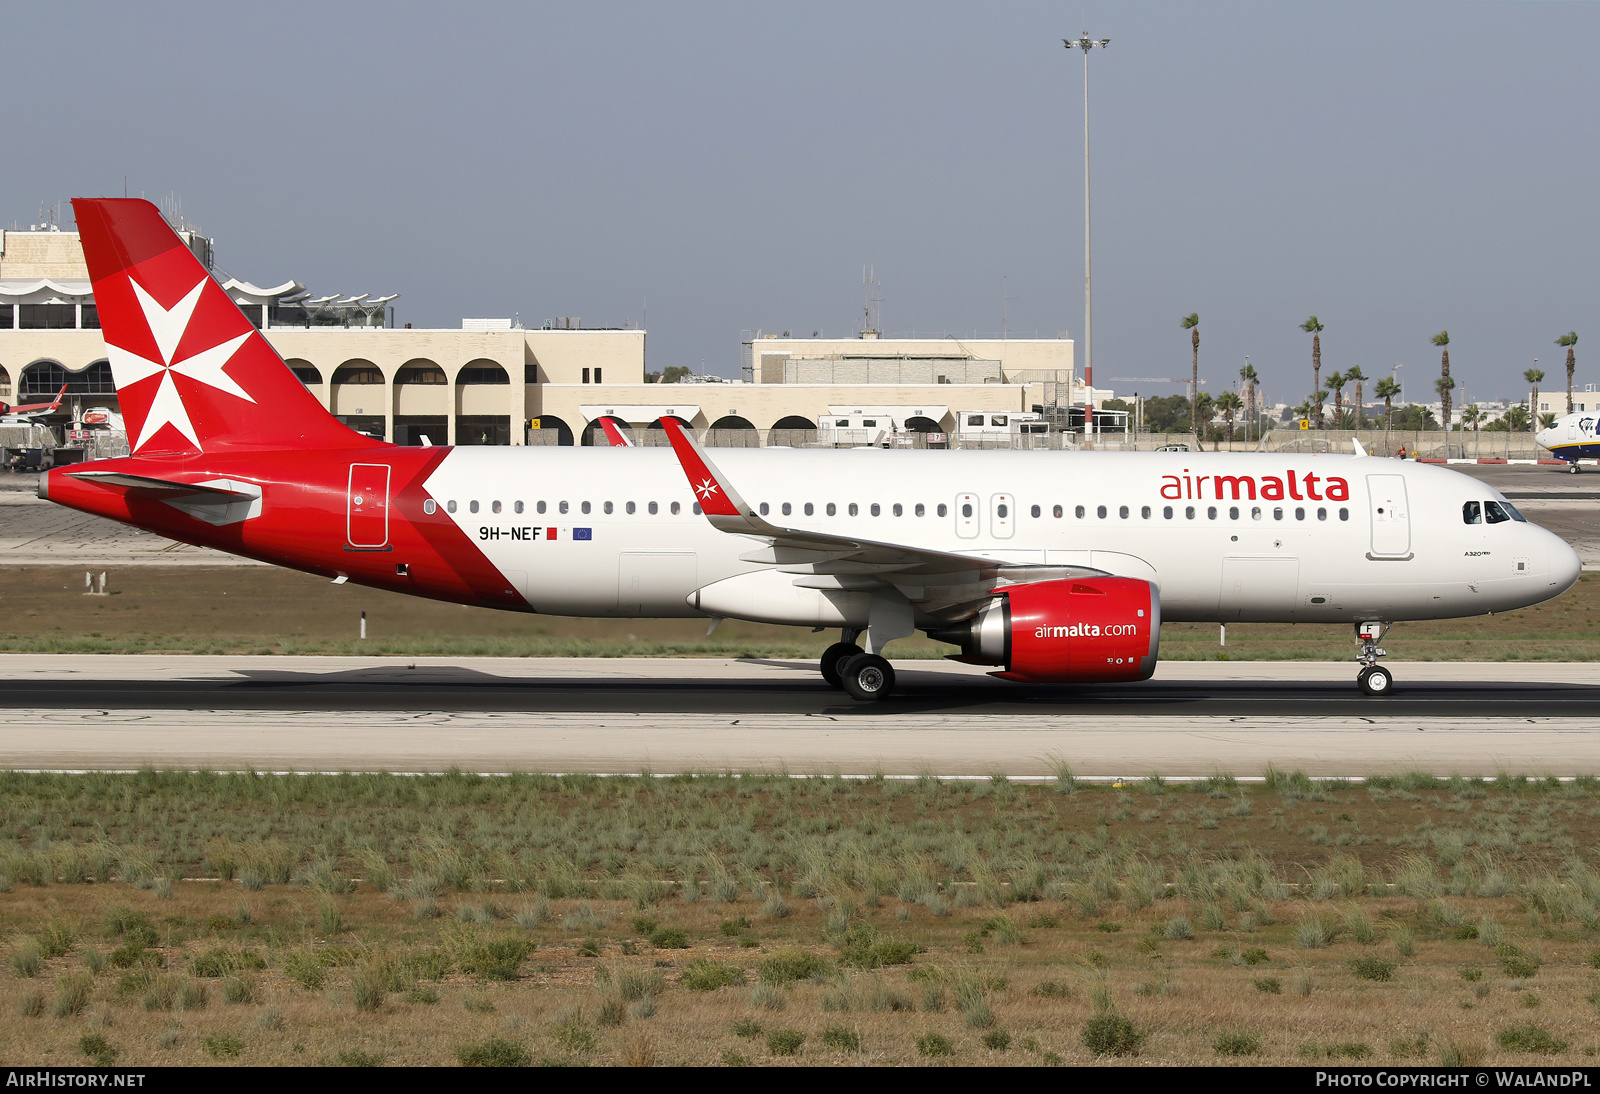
<point>1050,566</point>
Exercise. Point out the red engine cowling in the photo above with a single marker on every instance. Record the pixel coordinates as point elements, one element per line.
<point>1083,630</point>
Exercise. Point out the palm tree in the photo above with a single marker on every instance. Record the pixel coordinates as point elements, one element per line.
<point>1567,341</point>
<point>1204,410</point>
<point>1336,382</point>
<point>1472,416</point>
<point>1547,419</point>
<point>1191,322</point>
<point>1313,327</point>
<point>1354,375</point>
<point>1533,376</point>
<point>1444,384</point>
<point>1248,375</point>
<point>1388,390</point>
<point>1228,402</point>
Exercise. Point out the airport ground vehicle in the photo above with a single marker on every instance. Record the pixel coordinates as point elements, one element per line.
<point>1052,567</point>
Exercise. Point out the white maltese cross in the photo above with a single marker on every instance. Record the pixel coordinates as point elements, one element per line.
<point>706,488</point>
<point>168,327</point>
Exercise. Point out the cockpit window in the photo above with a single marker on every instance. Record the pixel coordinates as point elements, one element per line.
<point>1494,514</point>
<point>1471,513</point>
<point>1515,514</point>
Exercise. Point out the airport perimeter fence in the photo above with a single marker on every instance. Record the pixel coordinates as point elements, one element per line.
<point>1423,444</point>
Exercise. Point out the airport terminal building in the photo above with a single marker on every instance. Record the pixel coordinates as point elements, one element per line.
<point>495,382</point>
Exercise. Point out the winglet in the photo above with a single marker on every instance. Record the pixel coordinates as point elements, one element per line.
<point>1359,450</point>
<point>617,438</point>
<point>717,498</point>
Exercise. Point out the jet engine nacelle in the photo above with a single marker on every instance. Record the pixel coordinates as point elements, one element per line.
<point>1082,630</point>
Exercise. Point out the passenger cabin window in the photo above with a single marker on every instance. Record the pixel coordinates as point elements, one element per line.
<point>1494,514</point>
<point>1123,512</point>
<point>920,510</point>
<point>697,510</point>
<point>539,508</point>
<point>1299,514</point>
<point>449,507</point>
<point>430,507</point>
<point>943,510</point>
<point>1188,512</point>
<point>584,506</point>
<point>855,510</point>
<point>1322,514</point>
<point>494,507</point>
<point>1100,511</point>
<point>1035,511</point>
<point>876,510</point>
<point>1277,514</point>
<point>1057,512</point>
<point>1078,512</point>
<point>561,507</point>
<point>1211,512</point>
<point>1145,512</point>
<point>1166,512</point>
<point>787,508</point>
<point>654,509</point>
<point>1344,514</point>
<point>631,508</point>
<point>898,511</point>
<point>677,507</point>
<point>516,507</point>
<point>810,508</point>
<point>765,509</point>
<point>605,507</point>
<point>472,507</point>
<point>832,509</point>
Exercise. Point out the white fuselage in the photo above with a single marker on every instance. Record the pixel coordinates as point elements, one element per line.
<point>1324,539</point>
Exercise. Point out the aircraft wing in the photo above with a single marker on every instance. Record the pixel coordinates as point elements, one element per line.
<point>822,560</point>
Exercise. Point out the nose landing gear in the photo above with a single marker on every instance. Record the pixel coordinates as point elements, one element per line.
<point>1373,679</point>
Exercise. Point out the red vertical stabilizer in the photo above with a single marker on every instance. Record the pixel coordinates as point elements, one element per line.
<point>193,374</point>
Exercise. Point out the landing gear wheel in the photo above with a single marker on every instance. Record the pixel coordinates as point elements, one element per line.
<point>1573,468</point>
<point>833,659</point>
<point>866,677</point>
<point>1375,680</point>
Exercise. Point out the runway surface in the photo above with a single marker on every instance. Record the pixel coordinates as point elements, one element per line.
<point>483,714</point>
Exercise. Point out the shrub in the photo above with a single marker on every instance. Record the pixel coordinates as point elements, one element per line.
<point>734,927</point>
<point>224,1046</point>
<point>708,975</point>
<point>25,960</point>
<point>746,1028</point>
<point>1110,1034</point>
<point>1043,921</point>
<point>496,959</point>
<point>423,995</point>
<point>305,969</point>
<point>32,1004</point>
<point>367,988</point>
<point>669,938</point>
<point>1178,929</point>
<point>495,1052</point>
<point>792,964</point>
<point>1269,985</point>
<point>356,1058</point>
<point>98,1049</point>
<point>644,925</point>
<point>573,1037</point>
<point>1517,965</point>
<point>1372,967</point>
<point>997,1040</point>
<point>1236,1044</point>
<point>1051,989</point>
<point>845,1040</point>
<point>863,949</point>
<point>72,994</point>
<point>236,989</point>
<point>935,1044</point>
<point>57,938</point>
<point>1531,1038</point>
<point>784,1042</point>
<point>1254,956</point>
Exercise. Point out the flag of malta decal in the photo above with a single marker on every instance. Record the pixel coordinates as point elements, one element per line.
<point>167,327</point>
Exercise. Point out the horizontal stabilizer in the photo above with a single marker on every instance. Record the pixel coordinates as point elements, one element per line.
<point>160,486</point>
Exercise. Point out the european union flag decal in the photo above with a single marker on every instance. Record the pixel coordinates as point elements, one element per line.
<point>582,533</point>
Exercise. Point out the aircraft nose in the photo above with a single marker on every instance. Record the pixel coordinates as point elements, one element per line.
<point>1562,563</point>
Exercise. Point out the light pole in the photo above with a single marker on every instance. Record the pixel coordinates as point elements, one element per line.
<point>1086,43</point>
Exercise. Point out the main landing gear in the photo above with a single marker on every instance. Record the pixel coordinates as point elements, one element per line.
<point>863,676</point>
<point>1373,678</point>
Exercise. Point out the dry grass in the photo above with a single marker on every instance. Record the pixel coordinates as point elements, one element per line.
<point>1033,910</point>
<point>260,610</point>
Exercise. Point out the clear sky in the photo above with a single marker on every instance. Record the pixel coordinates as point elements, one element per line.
<point>1397,169</point>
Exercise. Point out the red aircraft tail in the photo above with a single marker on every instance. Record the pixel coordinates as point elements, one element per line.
<point>192,373</point>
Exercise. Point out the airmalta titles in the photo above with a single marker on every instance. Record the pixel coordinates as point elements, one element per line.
<point>1192,487</point>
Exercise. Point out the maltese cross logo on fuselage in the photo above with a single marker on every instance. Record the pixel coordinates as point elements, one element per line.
<point>706,488</point>
<point>168,326</point>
